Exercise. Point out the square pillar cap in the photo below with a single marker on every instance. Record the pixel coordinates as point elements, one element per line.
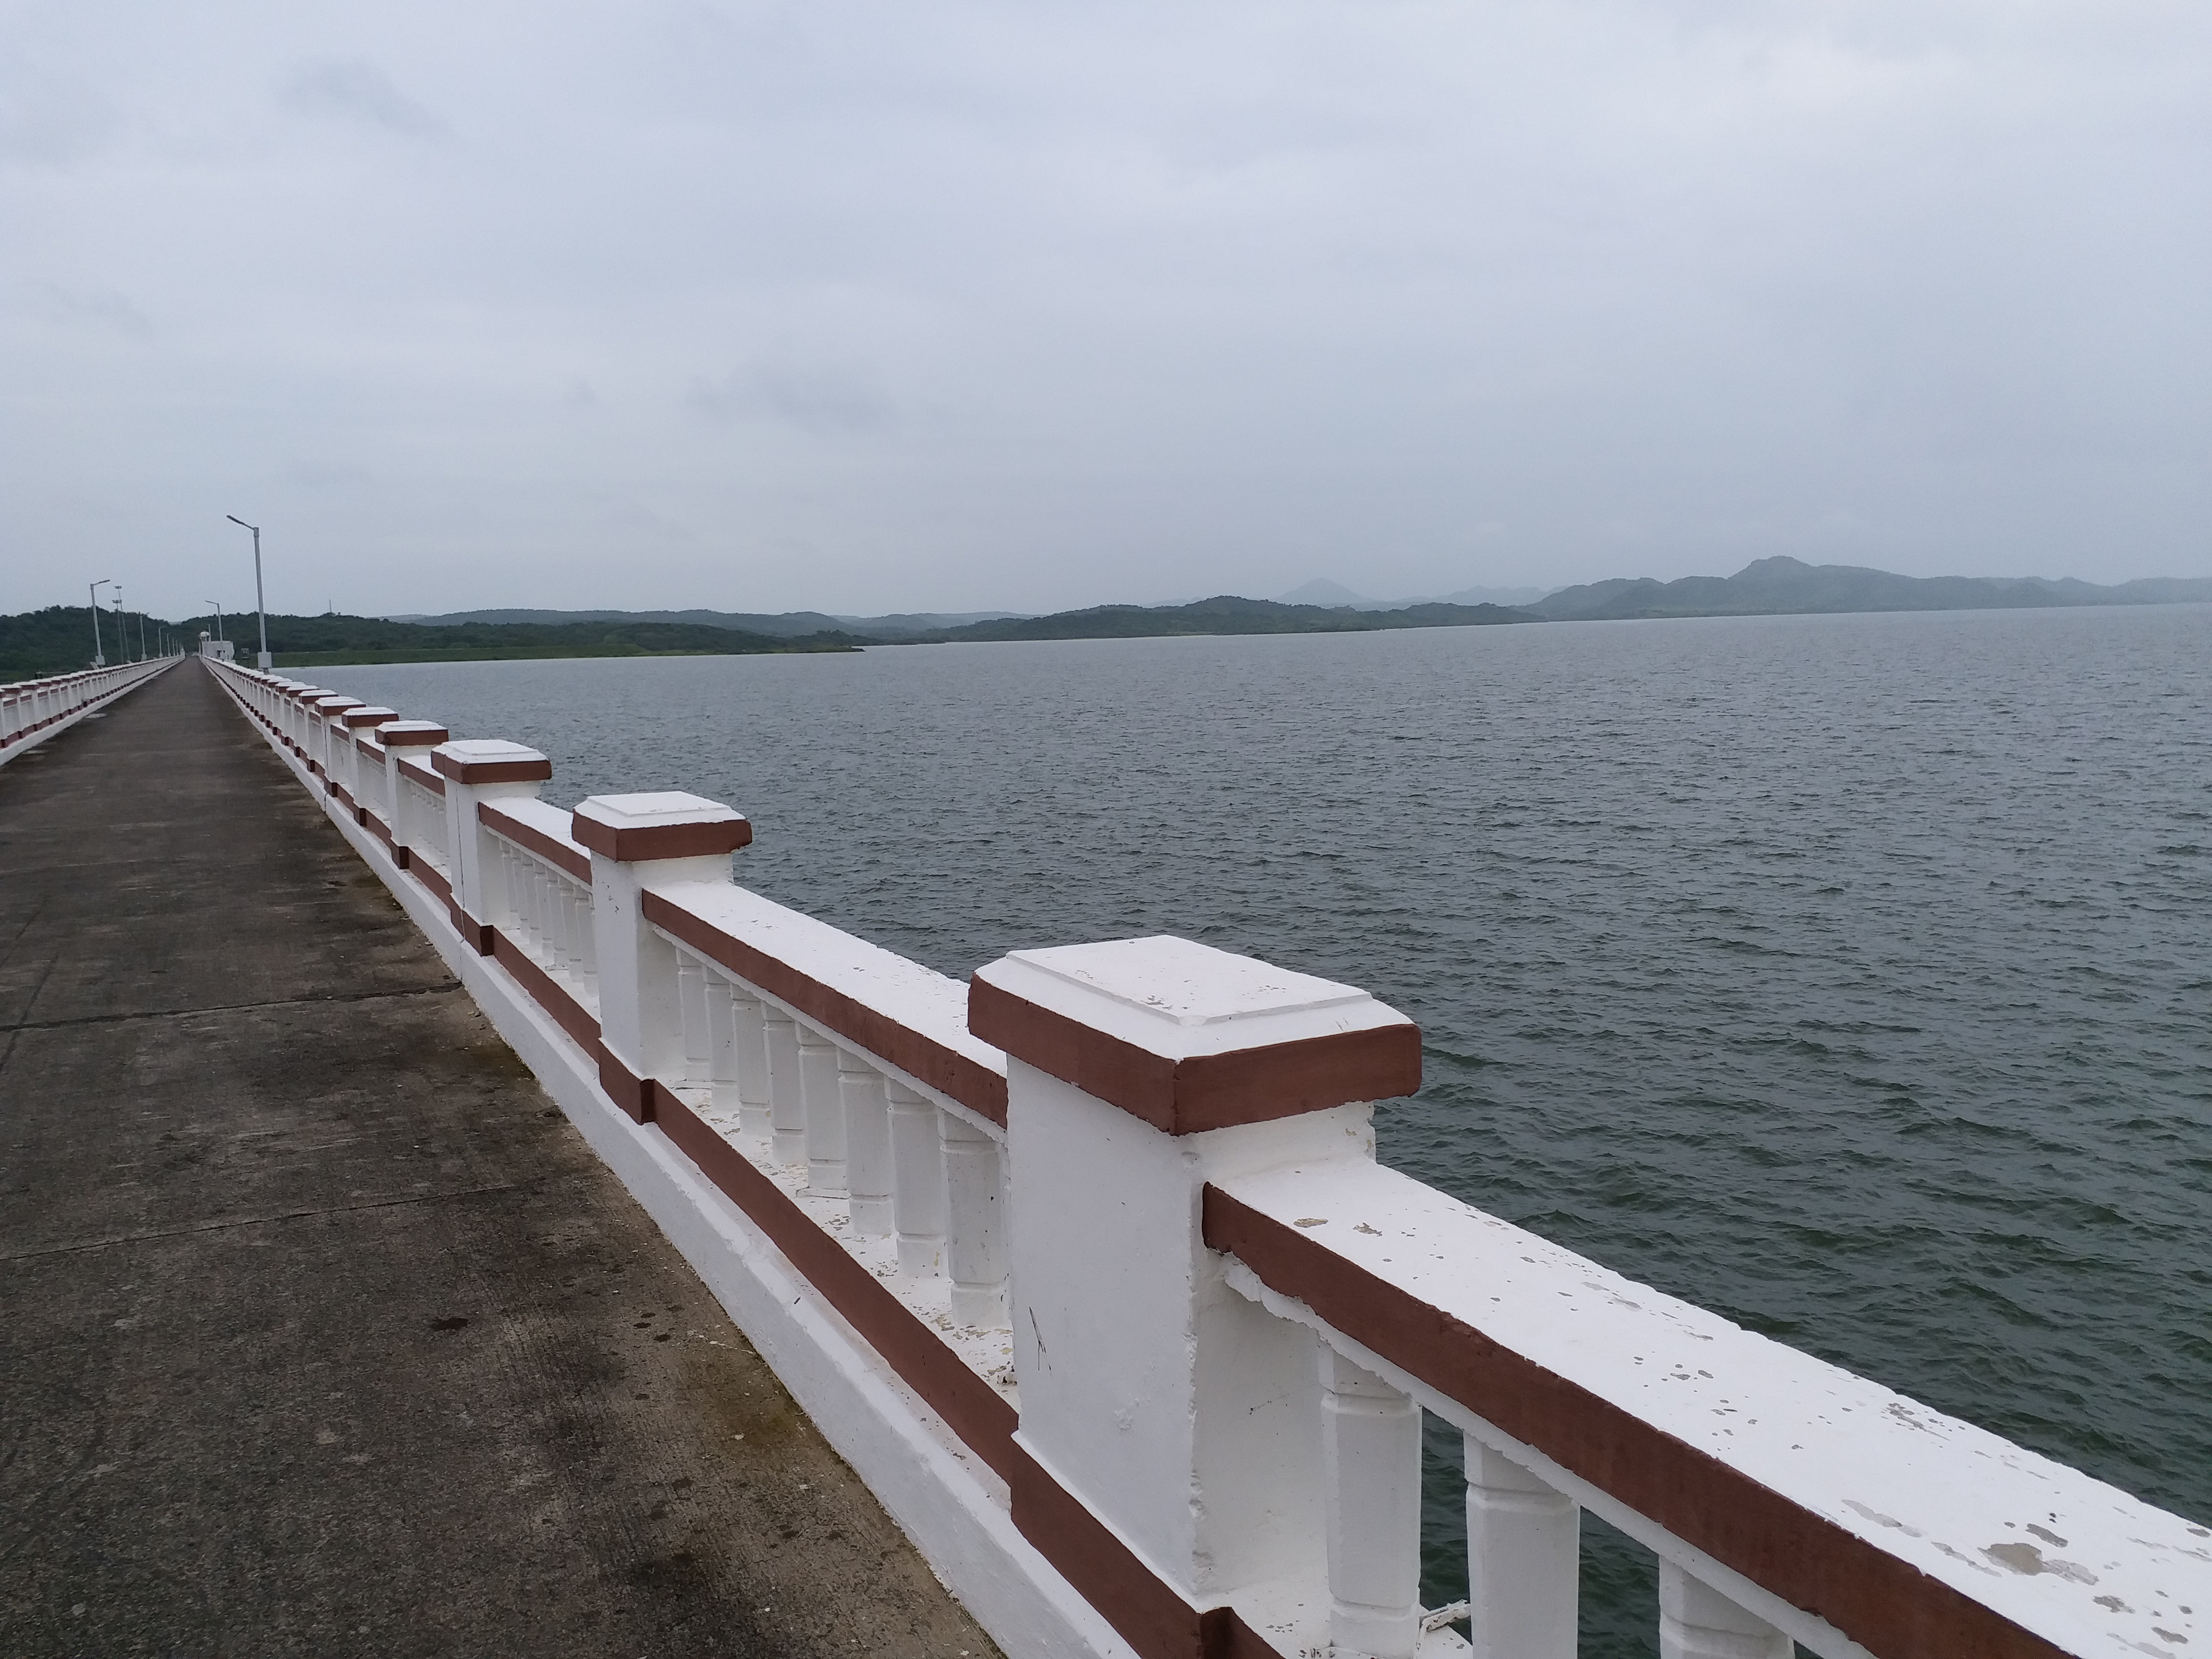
<point>665,824</point>
<point>369,714</point>
<point>331,705</point>
<point>411,734</point>
<point>1190,1039</point>
<point>490,760</point>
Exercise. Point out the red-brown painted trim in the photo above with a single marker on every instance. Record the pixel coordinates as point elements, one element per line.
<point>641,843</point>
<point>499,771</point>
<point>428,874</point>
<point>975,1086</point>
<point>421,739</point>
<point>374,750</point>
<point>1885,1604</point>
<point>478,934</point>
<point>359,716</point>
<point>640,1096</point>
<point>971,1409</point>
<point>1151,1615</point>
<point>411,767</point>
<point>339,790</point>
<point>1205,1091</point>
<point>556,853</point>
<point>377,826</point>
<point>548,993</point>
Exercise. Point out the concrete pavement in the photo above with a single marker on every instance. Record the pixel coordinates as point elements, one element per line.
<point>320,1329</point>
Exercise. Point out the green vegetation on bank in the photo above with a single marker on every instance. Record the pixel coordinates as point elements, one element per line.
<point>59,639</point>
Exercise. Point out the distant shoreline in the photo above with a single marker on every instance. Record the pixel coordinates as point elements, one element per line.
<point>53,640</point>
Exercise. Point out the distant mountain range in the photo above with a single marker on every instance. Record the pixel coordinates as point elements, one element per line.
<point>1786,586</point>
<point>1223,613</point>
<point>1325,592</point>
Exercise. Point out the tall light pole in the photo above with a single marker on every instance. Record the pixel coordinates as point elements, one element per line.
<point>216,607</point>
<point>122,625</point>
<point>261,608</point>
<point>99,655</point>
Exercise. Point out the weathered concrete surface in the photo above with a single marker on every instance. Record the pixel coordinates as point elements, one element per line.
<point>320,1330</point>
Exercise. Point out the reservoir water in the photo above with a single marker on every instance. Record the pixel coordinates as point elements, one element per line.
<point>1850,975</point>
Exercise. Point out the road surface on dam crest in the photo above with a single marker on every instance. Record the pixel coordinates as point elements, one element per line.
<point>322,1331</point>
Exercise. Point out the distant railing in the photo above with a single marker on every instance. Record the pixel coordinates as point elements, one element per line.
<point>32,711</point>
<point>1111,1213</point>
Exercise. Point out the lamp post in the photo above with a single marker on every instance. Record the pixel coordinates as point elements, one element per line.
<point>215,607</point>
<point>99,655</point>
<point>122,625</point>
<point>261,608</point>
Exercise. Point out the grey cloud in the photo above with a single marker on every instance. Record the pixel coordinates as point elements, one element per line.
<point>104,310</point>
<point>827,400</point>
<point>357,89</point>
<point>1033,305</point>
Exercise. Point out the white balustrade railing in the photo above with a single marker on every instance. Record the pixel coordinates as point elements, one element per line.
<point>34,710</point>
<point>847,1075</point>
<point>1112,1213</point>
<point>539,890</point>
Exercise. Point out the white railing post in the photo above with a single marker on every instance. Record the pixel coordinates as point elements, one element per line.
<point>480,769</point>
<point>399,738</point>
<point>786,1095</point>
<point>917,1182</point>
<point>1372,1490</point>
<point>867,1145</point>
<point>1179,1413</point>
<point>1696,1621</point>
<point>635,841</point>
<point>1524,1561</point>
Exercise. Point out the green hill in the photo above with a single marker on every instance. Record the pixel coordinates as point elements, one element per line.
<point>59,638</point>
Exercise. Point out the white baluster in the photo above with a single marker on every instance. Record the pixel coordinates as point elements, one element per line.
<point>750,1035</point>
<point>580,910</point>
<point>722,1031</point>
<point>1371,1487</point>
<point>1696,1621</point>
<point>1524,1561</point>
<point>974,1194</point>
<point>825,1114</point>
<point>691,1000</point>
<point>786,1094</point>
<point>554,908</point>
<point>917,1182</point>
<point>867,1144</point>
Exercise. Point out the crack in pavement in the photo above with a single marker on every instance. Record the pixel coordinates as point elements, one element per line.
<point>228,1007</point>
<point>254,1221</point>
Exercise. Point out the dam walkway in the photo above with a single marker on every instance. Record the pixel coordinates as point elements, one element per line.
<point>321,1328</point>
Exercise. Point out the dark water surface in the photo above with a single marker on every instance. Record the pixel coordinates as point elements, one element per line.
<point>1850,975</point>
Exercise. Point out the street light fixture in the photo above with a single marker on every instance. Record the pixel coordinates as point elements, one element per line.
<point>261,608</point>
<point>99,655</point>
<point>216,607</point>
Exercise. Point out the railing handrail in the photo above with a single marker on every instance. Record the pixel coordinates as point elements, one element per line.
<point>1904,1529</point>
<point>48,681</point>
<point>903,1012</point>
<point>539,828</point>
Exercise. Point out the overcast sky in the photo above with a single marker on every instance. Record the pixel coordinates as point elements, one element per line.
<point>955,306</point>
